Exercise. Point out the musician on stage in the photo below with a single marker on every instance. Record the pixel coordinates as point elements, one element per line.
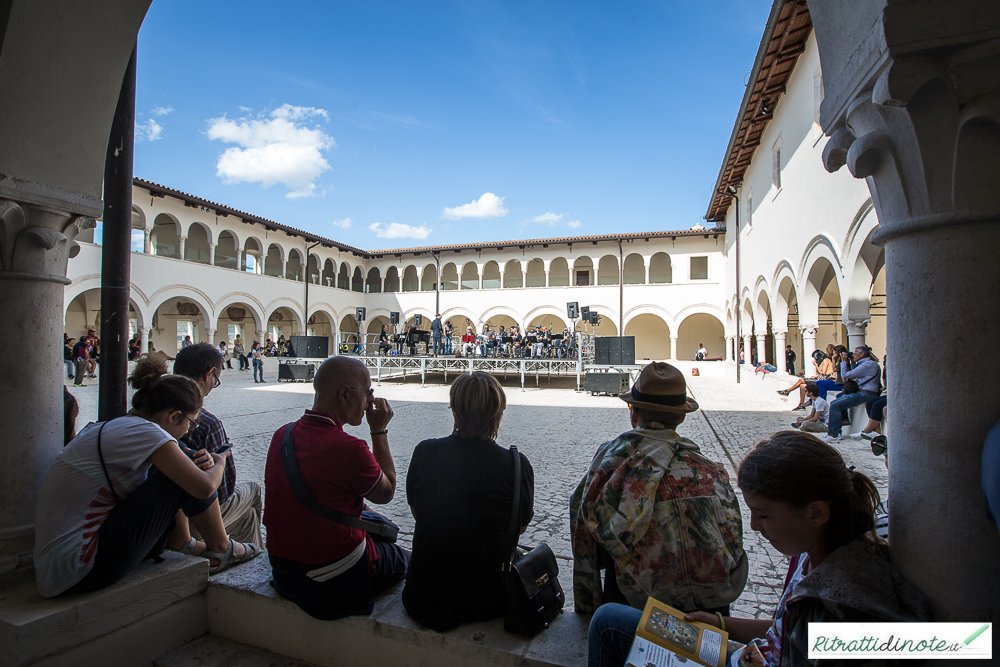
<point>449,331</point>
<point>383,341</point>
<point>468,342</point>
<point>538,346</point>
<point>491,343</point>
<point>411,340</point>
<point>503,346</point>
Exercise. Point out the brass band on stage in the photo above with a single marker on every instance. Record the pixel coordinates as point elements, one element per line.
<point>539,342</point>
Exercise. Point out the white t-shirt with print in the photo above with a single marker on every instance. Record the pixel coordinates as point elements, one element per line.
<point>822,408</point>
<point>74,500</point>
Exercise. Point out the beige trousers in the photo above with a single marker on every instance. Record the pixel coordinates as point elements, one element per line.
<point>241,514</point>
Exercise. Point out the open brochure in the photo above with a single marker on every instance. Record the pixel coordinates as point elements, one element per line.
<point>665,639</point>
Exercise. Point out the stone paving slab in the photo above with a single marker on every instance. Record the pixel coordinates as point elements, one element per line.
<point>557,428</point>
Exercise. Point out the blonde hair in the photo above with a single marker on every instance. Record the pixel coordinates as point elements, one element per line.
<point>477,404</point>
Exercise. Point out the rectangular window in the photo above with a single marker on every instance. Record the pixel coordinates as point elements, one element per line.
<point>185,328</point>
<point>274,333</point>
<point>582,278</point>
<point>776,164</point>
<point>699,268</point>
<point>234,331</point>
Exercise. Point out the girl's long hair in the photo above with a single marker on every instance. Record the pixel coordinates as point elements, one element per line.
<point>798,468</point>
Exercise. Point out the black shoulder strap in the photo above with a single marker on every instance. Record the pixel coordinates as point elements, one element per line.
<point>515,511</point>
<point>100,455</point>
<point>306,497</point>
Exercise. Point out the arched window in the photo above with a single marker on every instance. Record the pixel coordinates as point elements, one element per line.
<point>410,281</point>
<point>512,276</point>
<point>373,284</point>
<point>559,273</point>
<point>196,246</point>
<point>659,269</point>
<point>635,270</point>
<point>470,276</point>
<point>491,275</point>
<point>449,276</point>
<point>607,270</point>
<point>272,263</point>
<point>226,254</point>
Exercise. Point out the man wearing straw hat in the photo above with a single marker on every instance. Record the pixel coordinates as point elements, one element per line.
<point>661,519</point>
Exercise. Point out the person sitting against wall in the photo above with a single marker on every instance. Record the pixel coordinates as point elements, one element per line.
<point>240,503</point>
<point>825,372</point>
<point>815,421</point>
<point>68,360</point>
<point>863,369</point>
<point>331,570</point>
<point>101,511</point>
<point>658,516</point>
<point>875,409</point>
<point>460,489</point>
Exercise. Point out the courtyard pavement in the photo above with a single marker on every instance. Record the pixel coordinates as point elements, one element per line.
<point>557,428</point>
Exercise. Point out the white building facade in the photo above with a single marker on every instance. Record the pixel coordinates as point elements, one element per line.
<point>209,271</point>
<point>809,274</point>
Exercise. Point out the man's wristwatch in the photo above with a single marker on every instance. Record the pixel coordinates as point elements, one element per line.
<point>380,432</point>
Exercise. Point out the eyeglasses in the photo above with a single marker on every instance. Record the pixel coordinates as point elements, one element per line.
<point>191,422</point>
<point>370,391</point>
<point>218,380</point>
<point>879,445</point>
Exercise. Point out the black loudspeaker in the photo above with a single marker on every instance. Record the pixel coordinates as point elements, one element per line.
<point>310,347</point>
<point>418,319</point>
<point>585,313</point>
<point>573,310</point>
<point>303,372</point>
<point>593,317</point>
<point>360,314</point>
<point>393,318</point>
<point>614,350</point>
<point>608,383</point>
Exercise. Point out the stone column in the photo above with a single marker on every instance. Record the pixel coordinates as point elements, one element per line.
<point>673,348</point>
<point>646,269</point>
<point>747,350</point>
<point>808,347</point>
<point>284,274</point>
<point>210,336</point>
<point>38,226</point>
<point>762,348</point>
<point>211,254</point>
<point>146,246</point>
<point>262,336</point>
<point>181,239</point>
<point>779,348</point>
<point>729,347</point>
<point>144,339</point>
<point>910,106</point>
<point>856,332</point>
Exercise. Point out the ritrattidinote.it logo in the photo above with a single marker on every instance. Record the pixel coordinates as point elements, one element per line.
<point>864,641</point>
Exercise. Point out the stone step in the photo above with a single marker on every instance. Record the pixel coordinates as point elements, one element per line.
<point>244,608</point>
<point>69,629</point>
<point>212,651</point>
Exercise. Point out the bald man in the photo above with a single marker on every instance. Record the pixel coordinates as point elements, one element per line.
<point>331,570</point>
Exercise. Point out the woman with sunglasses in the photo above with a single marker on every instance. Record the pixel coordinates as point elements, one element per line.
<point>101,512</point>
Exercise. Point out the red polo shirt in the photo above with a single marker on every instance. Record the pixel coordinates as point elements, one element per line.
<point>340,470</point>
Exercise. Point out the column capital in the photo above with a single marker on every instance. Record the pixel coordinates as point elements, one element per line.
<point>182,237</point>
<point>761,336</point>
<point>809,330</point>
<point>779,332</point>
<point>211,245</point>
<point>858,323</point>
<point>145,330</point>
<point>36,243</point>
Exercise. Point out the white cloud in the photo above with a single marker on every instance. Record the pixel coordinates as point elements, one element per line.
<point>275,149</point>
<point>574,223</point>
<point>548,218</point>
<point>343,224</point>
<point>487,206</point>
<point>148,131</point>
<point>395,230</point>
<point>162,111</point>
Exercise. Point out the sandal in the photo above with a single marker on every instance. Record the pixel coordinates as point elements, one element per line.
<point>227,559</point>
<point>784,392</point>
<point>188,549</point>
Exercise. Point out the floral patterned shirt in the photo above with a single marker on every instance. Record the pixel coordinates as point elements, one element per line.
<point>667,516</point>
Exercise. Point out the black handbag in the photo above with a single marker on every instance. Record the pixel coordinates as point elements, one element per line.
<point>380,532</point>
<point>534,595</point>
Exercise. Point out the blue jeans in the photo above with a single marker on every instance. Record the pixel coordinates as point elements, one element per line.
<point>69,367</point>
<point>841,405</point>
<point>610,636</point>
<point>437,345</point>
<point>447,344</point>
<point>258,366</point>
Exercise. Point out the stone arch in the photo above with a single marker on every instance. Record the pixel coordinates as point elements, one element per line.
<point>649,309</point>
<point>242,299</point>
<point>313,271</point>
<point>501,310</point>
<point>583,265</point>
<point>534,272</point>
<point>470,276</point>
<point>294,270</point>
<point>607,270</point>
<point>165,235</point>
<point>292,306</point>
<point>697,328</point>
<point>652,336</point>
<point>428,278</point>
<point>861,228</point>
<point>373,282</point>
<point>411,281</point>
<point>323,322</point>
<point>449,276</point>
<point>862,262</point>
<point>196,247</point>
<point>391,282</point>
<point>252,258</point>
<point>461,317</point>
<point>761,304</point>
<point>513,276</point>
<point>635,269</point>
<point>137,240</point>
<point>138,217</point>
<point>227,250</point>
<point>344,276</point>
<point>660,269</point>
<point>358,280</point>
<point>329,277</point>
<point>491,275</point>
<point>534,316</point>
<point>93,284</point>
<point>559,273</point>
<point>274,261</point>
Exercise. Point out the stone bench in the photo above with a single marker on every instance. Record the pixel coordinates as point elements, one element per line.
<point>155,608</point>
<point>243,607</point>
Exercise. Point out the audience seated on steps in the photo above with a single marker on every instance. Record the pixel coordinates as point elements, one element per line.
<point>241,504</point>
<point>862,369</point>
<point>99,514</point>
<point>819,412</point>
<point>460,489</point>
<point>813,508</point>
<point>665,515</point>
<point>329,569</point>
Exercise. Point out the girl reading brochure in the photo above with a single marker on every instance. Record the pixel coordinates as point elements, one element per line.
<point>812,507</point>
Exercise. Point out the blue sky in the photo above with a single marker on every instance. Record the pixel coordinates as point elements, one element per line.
<point>392,124</point>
